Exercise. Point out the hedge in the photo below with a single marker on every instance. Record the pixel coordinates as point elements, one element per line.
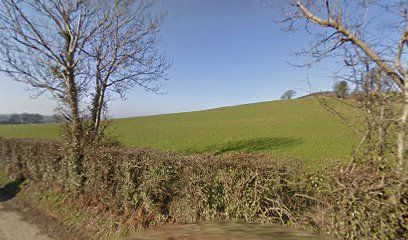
<point>144,187</point>
<point>159,186</point>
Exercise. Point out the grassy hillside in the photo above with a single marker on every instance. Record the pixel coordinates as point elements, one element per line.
<point>298,128</point>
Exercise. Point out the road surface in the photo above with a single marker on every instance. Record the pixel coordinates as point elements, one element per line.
<point>13,226</point>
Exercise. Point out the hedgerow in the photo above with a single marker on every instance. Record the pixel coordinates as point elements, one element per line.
<point>145,187</point>
<point>168,187</point>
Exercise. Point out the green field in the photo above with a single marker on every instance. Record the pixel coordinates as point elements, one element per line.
<point>299,128</point>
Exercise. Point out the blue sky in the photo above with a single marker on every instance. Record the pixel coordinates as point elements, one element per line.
<point>224,53</point>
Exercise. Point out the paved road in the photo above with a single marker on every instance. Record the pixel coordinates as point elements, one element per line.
<point>13,227</point>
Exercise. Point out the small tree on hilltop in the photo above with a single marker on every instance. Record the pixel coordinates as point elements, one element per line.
<point>341,89</point>
<point>288,95</point>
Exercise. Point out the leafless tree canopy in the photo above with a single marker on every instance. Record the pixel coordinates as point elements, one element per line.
<point>82,52</point>
<point>360,36</point>
<point>123,54</point>
<point>368,39</point>
<point>373,31</point>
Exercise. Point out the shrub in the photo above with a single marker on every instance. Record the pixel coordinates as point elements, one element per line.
<point>144,187</point>
<point>370,203</point>
<point>154,186</point>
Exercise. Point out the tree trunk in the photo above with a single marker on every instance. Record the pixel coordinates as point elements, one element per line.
<point>94,112</point>
<point>77,137</point>
<point>76,127</point>
<point>402,130</point>
<point>99,111</point>
<point>97,108</point>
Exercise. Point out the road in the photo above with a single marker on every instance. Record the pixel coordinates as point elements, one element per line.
<point>13,226</point>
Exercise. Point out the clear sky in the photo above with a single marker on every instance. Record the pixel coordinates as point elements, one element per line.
<point>224,52</point>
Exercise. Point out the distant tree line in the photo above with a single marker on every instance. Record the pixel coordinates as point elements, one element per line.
<point>26,118</point>
<point>342,90</point>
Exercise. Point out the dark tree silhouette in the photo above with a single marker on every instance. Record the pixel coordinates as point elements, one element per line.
<point>289,94</point>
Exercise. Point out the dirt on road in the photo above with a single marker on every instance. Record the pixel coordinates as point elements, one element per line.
<point>13,226</point>
<point>20,221</point>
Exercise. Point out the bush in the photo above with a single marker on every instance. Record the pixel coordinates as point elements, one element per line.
<point>153,187</point>
<point>370,203</point>
<point>145,187</point>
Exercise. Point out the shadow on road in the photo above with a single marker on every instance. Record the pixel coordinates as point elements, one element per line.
<point>10,190</point>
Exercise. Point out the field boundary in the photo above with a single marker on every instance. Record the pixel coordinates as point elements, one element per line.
<point>140,188</point>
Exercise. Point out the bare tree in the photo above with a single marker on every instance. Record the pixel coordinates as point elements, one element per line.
<point>289,94</point>
<point>80,48</point>
<point>368,41</point>
<point>39,46</point>
<point>341,29</point>
<point>123,53</point>
<point>83,53</point>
